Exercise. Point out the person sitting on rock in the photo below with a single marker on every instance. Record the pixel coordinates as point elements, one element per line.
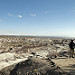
<point>72,45</point>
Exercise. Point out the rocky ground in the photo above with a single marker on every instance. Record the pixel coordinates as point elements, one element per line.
<point>35,56</point>
<point>66,64</point>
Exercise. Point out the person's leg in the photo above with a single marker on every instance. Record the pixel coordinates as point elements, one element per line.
<point>72,53</point>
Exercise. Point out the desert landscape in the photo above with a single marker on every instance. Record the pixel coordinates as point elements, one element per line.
<point>37,37</point>
<point>32,55</point>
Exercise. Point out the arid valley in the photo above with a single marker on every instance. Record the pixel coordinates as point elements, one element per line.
<point>26,55</point>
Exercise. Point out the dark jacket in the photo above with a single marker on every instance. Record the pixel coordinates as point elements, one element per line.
<point>71,45</point>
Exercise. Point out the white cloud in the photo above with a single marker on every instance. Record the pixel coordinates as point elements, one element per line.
<point>46,12</point>
<point>32,14</point>
<point>9,14</point>
<point>20,16</point>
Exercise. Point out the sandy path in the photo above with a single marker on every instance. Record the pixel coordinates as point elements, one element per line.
<point>66,64</point>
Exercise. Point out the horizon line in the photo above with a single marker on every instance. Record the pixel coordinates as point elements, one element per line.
<point>52,36</point>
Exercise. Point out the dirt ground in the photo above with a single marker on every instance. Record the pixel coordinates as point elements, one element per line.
<point>66,64</point>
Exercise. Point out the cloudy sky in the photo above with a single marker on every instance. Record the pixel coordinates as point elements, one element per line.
<point>37,17</point>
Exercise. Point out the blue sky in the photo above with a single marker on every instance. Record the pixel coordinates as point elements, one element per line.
<point>37,17</point>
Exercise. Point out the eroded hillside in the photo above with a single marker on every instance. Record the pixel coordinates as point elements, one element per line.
<point>16,49</point>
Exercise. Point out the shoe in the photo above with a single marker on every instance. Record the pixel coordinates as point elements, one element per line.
<point>72,57</point>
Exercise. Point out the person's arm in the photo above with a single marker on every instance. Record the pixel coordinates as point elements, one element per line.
<point>74,45</point>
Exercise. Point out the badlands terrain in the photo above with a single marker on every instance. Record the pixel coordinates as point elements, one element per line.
<point>26,55</point>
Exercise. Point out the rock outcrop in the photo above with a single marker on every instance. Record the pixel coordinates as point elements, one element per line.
<point>34,66</point>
